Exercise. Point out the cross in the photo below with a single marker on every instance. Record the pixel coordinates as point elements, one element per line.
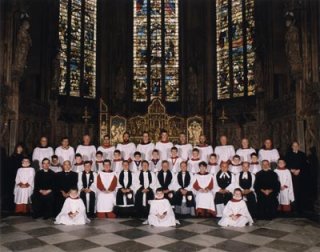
<point>223,116</point>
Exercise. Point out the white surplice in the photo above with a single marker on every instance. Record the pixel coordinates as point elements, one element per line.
<point>184,150</point>
<point>65,154</point>
<point>146,150</point>
<point>174,164</point>
<point>106,200</point>
<point>164,149</point>
<point>127,150</point>
<point>22,195</point>
<point>204,200</point>
<point>107,152</point>
<point>40,153</point>
<point>205,152</point>
<point>161,206</point>
<point>245,154</point>
<point>88,152</point>
<point>270,155</point>
<point>224,152</point>
<point>286,195</point>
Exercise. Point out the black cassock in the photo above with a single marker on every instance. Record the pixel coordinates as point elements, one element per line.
<point>143,210</point>
<point>64,182</point>
<point>223,183</point>
<point>165,183</point>
<point>122,209</point>
<point>267,204</point>
<point>87,181</point>
<point>247,183</point>
<point>298,161</point>
<point>43,205</point>
<point>184,183</point>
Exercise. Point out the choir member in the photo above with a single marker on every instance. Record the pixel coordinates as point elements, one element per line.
<point>107,184</point>
<point>145,147</point>
<point>236,213</point>
<point>145,184</point>
<point>24,186</point>
<point>193,163</point>
<point>224,151</point>
<point>184,148</point>
<point>65,151</point>
<point>117,162</point>
<point>87,185</point>
<point>86,149</point>
<point>41,152</point>
<point>73,211</point>
<point>125,194</point>
<point>224,185</point>
<point>269,153</point>
<point>65,180</point>
<point>203,185</point>
<point>78,163</point>
<point>161,213</point>
<point>254,164</point>
<point>267,188</point>
<point>245,151</point>
<point>98,161</point>
<point>184,198</point>
<point>235,165</point>
<point>106,148</point>
<point>9,175</point>
<point>213,166</point>
<point>286,195</point>
<point>155,162</point>
<point>126,148</point>
<point>174,160</point>
<point>55,165</point>
<point>204,148</point>
<point>245,181</point>
<point>135,165</point>
<point>164,146</point>
<point>43,193</point>
<point>165,180</point>
<point>297,162</point>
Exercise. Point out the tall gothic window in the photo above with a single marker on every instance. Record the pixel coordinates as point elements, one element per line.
<point>156,50</point>
<point>77,34</point>
<point>234,48</point>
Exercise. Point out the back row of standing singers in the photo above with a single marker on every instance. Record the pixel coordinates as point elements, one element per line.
<point>123,180</point>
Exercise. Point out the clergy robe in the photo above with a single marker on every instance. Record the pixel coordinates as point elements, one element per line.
<point>213,168</point>
<point>204,200</point>
<point>116,166</point>
<point>267,204</point>
<point>55,168</point>
<point>164,149</point>
<point>106,193</point>
<point>286,196</point>
<point>255,167</point>
<point>43,205</point>
<point>87,152</point>
<point>225,181</point>
<point>160,207</point>
<point>245,181</point>
<point>145,150</point>
<point>65,154</point>
<point>238,208</point>
<point>224,152</point>
<point>144,180</point>
<point>64,182</point>
<point>88,181</point>
<point>184,150</point>
<point>184,203</point>
<point>235,169</point>
<point>271,155</point>
<point>193,165</point>
<point>297,161</point>
<point>245,154</point>
<point>107,151</point>
<point>174,164</point>
<point>78,167</point>
<point>205,152</point>
<point>165,181</point>
<point>155,165</point>
<point>98,166</point>
<point>72,206</point>
<point>39,153</point>
<point>25,175</point>
<point>135,166</point>
<point>127,150</point>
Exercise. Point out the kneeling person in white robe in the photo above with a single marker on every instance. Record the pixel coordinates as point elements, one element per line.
<point>73,211</point>
<point>235,213</point>
<point>161,213</point>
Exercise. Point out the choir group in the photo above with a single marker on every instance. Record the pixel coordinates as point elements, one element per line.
<point>157,181</point>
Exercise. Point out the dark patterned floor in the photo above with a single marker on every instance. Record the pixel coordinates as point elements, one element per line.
<point>26,234</point>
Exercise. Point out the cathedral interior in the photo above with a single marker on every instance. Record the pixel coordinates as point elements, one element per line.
<point>242,68</point>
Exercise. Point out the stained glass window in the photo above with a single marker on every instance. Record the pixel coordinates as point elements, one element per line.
<point>156,50</point>
<point>234,48</point>
<point>77,34</point>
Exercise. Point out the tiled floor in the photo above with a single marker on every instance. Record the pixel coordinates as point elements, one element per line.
<point>26,234</point>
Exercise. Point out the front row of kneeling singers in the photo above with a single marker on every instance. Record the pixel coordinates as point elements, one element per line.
<point>132,194</point>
